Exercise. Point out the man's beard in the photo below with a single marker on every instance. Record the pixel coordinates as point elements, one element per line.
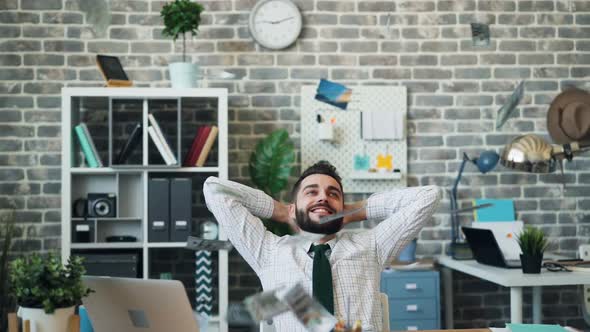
<point>306,224</point>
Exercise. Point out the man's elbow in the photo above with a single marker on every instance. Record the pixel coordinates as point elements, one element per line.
<point>433,194</point>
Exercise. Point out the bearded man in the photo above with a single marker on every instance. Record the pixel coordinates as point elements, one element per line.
<point>343,269</point>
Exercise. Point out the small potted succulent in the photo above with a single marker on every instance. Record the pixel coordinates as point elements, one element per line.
<point>532,242</point>
<point>181,17</point>
<point>46,291</point>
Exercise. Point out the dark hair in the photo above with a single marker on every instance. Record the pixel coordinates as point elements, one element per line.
<point>321,167</point>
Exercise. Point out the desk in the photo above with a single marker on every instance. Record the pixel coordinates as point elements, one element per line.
<point>511,278</point>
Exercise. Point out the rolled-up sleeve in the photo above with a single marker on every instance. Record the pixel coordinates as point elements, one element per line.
<point>238,210</point>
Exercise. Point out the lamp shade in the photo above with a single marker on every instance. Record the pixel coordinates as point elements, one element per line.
<point>487,161</point>
<point>529,153</point>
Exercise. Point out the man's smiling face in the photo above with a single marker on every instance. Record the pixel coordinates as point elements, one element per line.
<point>319,195</point>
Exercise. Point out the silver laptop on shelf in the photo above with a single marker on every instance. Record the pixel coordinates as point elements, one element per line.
<point>128,305</point>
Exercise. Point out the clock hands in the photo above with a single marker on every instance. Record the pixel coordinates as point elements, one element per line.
<point>277,22</point>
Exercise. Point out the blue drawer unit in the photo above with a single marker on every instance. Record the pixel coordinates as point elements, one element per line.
<point>414,299</point>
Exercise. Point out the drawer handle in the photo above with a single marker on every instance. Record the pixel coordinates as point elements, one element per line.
<point>412,328</point>
<point>412,308</point>
<point>412,286</point>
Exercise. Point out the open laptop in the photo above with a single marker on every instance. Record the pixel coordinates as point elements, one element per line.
<point>127,305</point>
<point>485,248</point>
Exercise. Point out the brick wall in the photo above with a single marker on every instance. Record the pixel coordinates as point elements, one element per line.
<point>454,91</point>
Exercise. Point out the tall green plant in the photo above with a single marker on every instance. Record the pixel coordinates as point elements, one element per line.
<point>6,234</point>
<point>270,166</point>
<point>181,17</point>
<point>43,282</point>
<point>532,241</point>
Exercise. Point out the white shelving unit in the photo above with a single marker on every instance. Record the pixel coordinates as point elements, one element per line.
<point>130,182</point>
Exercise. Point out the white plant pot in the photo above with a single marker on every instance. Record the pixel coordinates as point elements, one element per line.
<point>184,75</point>
<point>42,322</point>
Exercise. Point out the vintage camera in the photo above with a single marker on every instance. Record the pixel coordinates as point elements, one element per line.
<point>102,205</point>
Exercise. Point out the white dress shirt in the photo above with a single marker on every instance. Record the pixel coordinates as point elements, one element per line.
<point>357,258</point>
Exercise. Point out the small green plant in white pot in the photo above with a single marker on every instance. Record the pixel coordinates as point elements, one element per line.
<point>532,242</point>
<point>181,17</point>
<point>46,291</point>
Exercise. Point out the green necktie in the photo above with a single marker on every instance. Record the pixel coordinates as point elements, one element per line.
<point>322,277</point>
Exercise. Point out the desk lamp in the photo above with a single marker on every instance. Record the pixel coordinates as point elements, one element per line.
<point>531,153</point>
<point>486,162</point>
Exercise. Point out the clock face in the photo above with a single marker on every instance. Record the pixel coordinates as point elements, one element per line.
<point>275,24</point>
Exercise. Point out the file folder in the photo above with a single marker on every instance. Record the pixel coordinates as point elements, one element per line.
<point>180,209</point>
<point>158,210</point>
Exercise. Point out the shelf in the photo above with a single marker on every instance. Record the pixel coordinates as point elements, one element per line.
<point>108,245</point>
<point>166,244</point>
<point>145,93</point>
<point>139,168</point>
<point>375,176</point>
<point>108,219</point>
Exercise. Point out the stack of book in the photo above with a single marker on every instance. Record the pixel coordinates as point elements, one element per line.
<point>201,146</point>
<point>160,141</point>
<point>88,148</point>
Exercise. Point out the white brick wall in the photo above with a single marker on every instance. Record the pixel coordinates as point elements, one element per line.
<point>454,92</point>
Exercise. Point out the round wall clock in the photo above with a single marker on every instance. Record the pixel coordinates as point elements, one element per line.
<point>275,24</point>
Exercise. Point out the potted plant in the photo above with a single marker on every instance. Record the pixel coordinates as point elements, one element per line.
<point>532,242</point>
<point>6,233</point>
<point>46,291</point>
<point>270,168</point>
<point>181,17</point>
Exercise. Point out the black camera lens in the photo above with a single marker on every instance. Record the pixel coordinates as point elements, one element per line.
<point>102,208</point>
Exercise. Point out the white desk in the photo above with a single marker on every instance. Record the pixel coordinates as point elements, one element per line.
<point>512,278</point>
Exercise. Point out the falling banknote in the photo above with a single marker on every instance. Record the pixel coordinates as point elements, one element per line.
<point>196,243</point>
<point>509,106</point>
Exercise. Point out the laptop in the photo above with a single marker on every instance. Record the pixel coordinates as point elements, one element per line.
<point>485,248</point>
<point>128,305</point>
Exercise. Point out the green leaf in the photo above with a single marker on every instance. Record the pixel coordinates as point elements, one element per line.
<point>180,17</point>
<point>271,162</point>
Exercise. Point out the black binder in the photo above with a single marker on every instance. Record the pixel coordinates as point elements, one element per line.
<point>158,210</point>
<point>180,209</point>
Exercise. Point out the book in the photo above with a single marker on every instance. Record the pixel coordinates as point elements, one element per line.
<point>160,146</point>
<point>199,147</point>
<point>132,141</point>
<point>207,147</point>
<point>85,146</point>
<point>535,328</point>
<point>191,151</point>
<point>165,144</point>
<point>501,210</point>
<point>92,146</point>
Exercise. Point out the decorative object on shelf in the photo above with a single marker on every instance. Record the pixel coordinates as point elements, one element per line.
<point>486,162</point>
<point>326,128</point>
<point>275,24</point>
<point>102,205</point>
<point>181,17</point>
<point>362,162</point>
<point>509,105</point>
<point>532,242</point>
<point>6,235</point>
<point>47,291</point>
<point>270,168</point>
<point>111,69</point>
